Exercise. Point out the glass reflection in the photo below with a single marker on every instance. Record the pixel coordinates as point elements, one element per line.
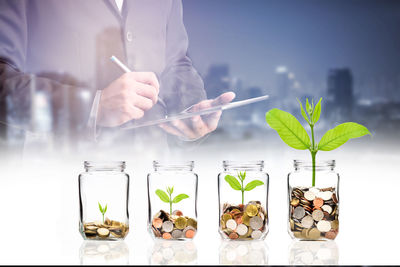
<point>104,252</point>
<point>313,252</point>
<point>243,252</point>
<point>173,252</point>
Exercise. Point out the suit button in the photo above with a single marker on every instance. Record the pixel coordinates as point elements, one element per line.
<point>129,36</point>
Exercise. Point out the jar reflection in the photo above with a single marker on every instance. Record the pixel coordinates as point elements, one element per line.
<point>105,252</point>
<point>173,252</point>
<point>313,253</point>
<point>243,252</point>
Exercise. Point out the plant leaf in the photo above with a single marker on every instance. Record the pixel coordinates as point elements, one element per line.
<point>303,113</point>
<point>162,195</point>
<point>308,107</point>
<point>233,182</point>
<point>317,112</point>
<point>253,184</point>
<point>289,129</point>
<point>179,197</point>
<point>339,135</point>
<point>100,208</point>
<point>105,209</point>
<point>172,190</point>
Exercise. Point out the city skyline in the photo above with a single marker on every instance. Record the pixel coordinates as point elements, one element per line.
<point>308,37</point>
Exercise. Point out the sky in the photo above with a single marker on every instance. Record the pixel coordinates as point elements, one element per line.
<point>309,37</point>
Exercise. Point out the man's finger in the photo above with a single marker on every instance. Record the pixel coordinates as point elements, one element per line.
<point>146,90</point>
<point>223,99</point>
<point>212,120</point>
<point>199,126</point>
<point>148,78</point>
<point>142,102</point>
<point>182,127</point>
<point>171,130</point>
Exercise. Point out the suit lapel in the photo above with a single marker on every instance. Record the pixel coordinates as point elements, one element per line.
<point>113,8</point>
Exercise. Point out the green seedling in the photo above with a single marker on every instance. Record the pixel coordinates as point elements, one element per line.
<point>167,198</point>
<point>295,135</point>
<point>102,210</point>
<point>236,185</point>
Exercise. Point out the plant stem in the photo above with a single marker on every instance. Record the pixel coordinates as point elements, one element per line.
<point>170,203</point>
<point>242,192</point>
<point>313,154</point>
<point>103,217</point>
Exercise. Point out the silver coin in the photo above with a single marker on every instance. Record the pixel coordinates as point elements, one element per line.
<point>167,226</point>
<point>327,208</point>
<point>299,212</point>
<point>256,234</point>
<point>327,195</point>
<point>324,226</point>
<point>231,224</point>
<point>256,222</point>
<point>309,195</point>
<point>314,190</point>
<point>307,221</point>
<point>176,234</point>
<point>241,229</point>
<point>317,215</point>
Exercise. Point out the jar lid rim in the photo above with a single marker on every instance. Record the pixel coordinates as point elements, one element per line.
<point>320,163</point>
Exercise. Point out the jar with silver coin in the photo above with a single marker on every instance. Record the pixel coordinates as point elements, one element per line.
<point>103,200</point>
<point>313,208</point>
<point>243,200</point>
<point>172,195</point>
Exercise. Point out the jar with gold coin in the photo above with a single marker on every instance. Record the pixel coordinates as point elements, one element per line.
<point>172,196</point>
<point>313,208</point>
<point>103,201</point>
<point>243,200</point>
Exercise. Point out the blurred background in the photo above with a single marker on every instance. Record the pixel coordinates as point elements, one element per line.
<point>346,52</point>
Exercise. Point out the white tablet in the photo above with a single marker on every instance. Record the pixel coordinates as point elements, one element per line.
<point>189,114</point>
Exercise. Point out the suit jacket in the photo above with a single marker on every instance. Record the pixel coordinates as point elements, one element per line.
<point>67,44</point>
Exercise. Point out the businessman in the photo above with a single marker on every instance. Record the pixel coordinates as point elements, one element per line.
<point>63,48</point>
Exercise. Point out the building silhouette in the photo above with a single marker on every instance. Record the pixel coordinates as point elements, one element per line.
<point>340,98</point>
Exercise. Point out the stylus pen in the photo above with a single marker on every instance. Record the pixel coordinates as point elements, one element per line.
<point>126,69</point>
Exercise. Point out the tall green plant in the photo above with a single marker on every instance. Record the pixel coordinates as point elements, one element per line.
<point>294,135</point>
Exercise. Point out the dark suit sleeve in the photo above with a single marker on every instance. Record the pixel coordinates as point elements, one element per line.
<point>180,84</point>
<point>17,86</point>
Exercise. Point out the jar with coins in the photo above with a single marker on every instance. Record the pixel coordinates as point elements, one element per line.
<point>313,209</point>
<point>103,201</point>
<point>172,195</point>
<point>243,200</point>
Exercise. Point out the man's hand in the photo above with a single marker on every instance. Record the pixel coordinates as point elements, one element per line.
<point>199,126</point>
<point>127,98</point>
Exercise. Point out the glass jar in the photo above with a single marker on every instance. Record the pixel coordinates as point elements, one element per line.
<point>172,195</point>
<point>243,200</point>
<point>103,200</point>
<point>313,209</point>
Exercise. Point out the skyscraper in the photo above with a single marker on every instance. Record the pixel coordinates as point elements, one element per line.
<point>340,92</point>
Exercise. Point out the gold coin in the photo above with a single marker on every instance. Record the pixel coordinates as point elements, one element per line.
<point>251,210</point>
<point>291,224</point>
<point>314,234</point>
<point>192,222</point>
<point>115,224</point>
<point>246,219</point>
<point>103,232</point>
<point>297,234</point>
<point>295,202</point>
<point>335,224</point>
<point>180,223</point>
<point>226,217</point>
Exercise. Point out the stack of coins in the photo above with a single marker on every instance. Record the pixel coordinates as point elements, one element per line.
<point>173,226</point>
<point>107,230</point>
<point>244,222</point>
<point>314,213</point>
